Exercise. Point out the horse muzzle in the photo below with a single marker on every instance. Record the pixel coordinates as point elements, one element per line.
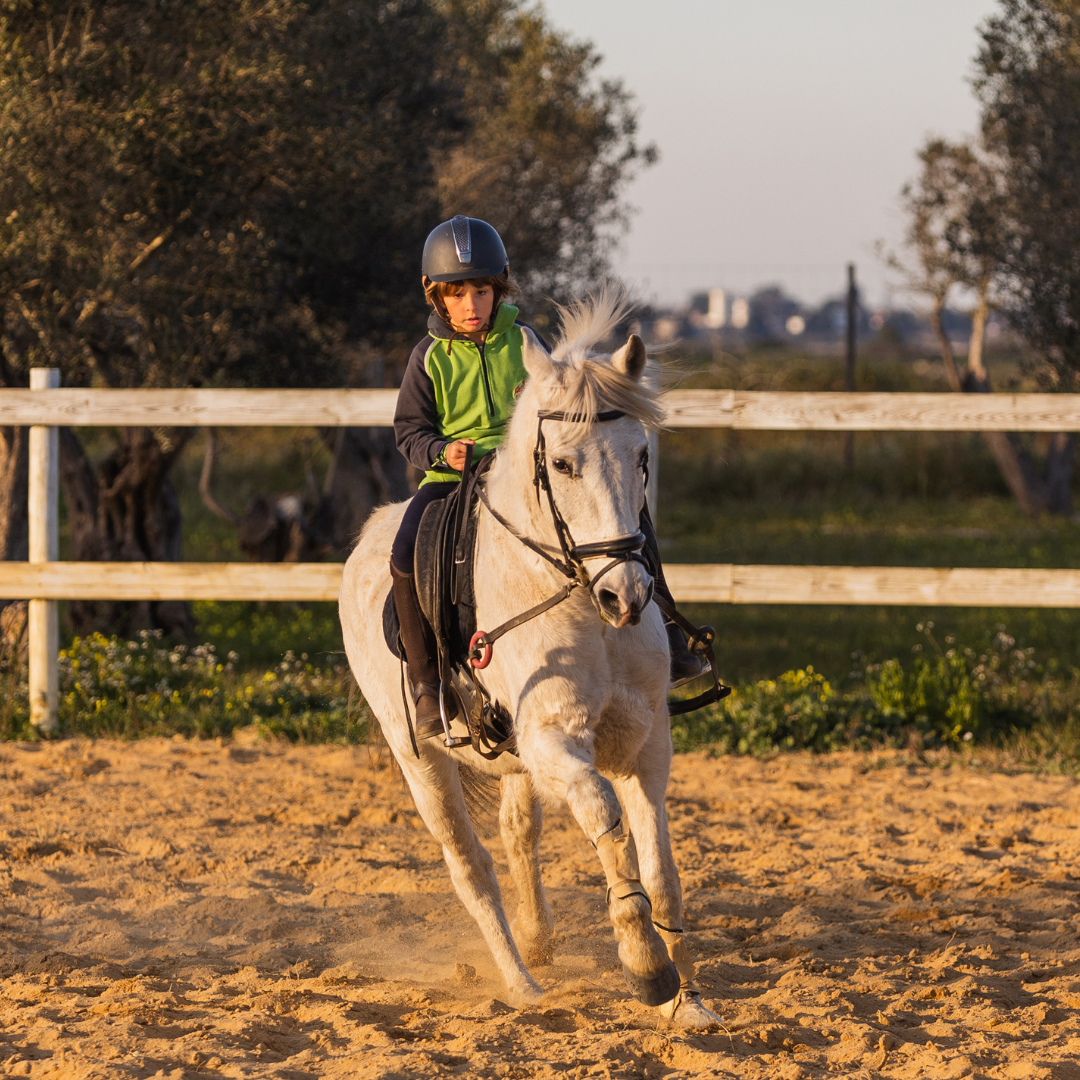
<point>623,595</point>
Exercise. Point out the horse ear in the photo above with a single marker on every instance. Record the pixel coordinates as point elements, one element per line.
<point>536,359</point>
<point>630,359</point>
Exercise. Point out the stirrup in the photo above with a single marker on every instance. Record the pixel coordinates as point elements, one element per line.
<point>706,669</point>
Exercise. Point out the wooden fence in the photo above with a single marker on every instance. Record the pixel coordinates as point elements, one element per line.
<point>43,580</point>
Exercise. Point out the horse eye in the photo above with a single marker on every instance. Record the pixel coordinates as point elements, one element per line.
<point>561,465</point>
<point>644,460</point>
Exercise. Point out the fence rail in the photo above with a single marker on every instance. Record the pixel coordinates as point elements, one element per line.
<point>43,580</point>
<point>741,409</point>
<point>708,583</point>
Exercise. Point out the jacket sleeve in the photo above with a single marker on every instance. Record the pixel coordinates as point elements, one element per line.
<point>416,419</point>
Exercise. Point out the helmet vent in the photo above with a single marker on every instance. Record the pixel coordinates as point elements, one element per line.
<point>462,238</point>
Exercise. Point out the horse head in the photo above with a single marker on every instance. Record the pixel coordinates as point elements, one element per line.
<point>579,433</point>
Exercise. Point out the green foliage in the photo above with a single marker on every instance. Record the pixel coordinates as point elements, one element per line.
<point>192,192</point>
<point>1028,81</point>
<point>201,193</point>
<point>127,689</point>
<point>265,633</point>
<point>940,698</point>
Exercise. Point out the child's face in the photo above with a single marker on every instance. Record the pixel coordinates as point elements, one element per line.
<point>468,305</point>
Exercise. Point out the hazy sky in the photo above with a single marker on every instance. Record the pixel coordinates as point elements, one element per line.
<point>786,129</point>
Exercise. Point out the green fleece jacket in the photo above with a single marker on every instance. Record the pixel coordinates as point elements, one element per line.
<point>456,389</point>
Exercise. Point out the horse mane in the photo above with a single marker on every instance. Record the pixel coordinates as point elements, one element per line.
<point>586,383</point>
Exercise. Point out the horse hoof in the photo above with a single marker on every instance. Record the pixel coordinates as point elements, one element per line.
<point>688,1011</point>
<point>655,990</point>
<point>525,993</point>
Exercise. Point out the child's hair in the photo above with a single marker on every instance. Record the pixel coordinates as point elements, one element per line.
<point>502,285</point>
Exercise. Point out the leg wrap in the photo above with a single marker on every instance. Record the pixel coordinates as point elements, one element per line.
<point>680,957</point>
<point>618,857</point>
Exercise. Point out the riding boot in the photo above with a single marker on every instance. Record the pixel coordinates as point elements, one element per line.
<point>684,664</point>
<point>419,644</point>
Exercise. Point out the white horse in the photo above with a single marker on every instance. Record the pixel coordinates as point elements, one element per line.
<point>585,683</point>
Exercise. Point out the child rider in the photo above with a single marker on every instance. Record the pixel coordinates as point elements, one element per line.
<point>459,390</point>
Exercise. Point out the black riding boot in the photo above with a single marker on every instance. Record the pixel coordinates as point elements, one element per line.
<point>419,643</point>
<point>684,664</point>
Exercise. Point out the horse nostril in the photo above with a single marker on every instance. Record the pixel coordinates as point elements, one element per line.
<point>609,601</point>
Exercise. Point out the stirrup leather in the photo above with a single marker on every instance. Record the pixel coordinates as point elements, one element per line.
<point>684,964</point>
<point>618,856</point>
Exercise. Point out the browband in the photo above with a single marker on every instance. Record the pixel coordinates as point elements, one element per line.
<point>580,418</point>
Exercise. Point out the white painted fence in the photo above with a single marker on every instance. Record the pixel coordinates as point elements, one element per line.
<point>43,580</point>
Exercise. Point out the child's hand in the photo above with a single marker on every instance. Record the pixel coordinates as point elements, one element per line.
<point>455,453</point>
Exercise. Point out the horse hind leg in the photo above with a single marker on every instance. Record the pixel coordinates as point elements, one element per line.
<point>520,819</point>
<point>437,792</point>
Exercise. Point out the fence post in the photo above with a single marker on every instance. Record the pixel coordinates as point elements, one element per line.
<point>652,489</point>
<point>44,513</point>
<point>849,357</point>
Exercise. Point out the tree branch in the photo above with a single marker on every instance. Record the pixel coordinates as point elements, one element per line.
<point>205,478</point>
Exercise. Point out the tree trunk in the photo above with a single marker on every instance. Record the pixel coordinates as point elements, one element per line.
<point>14,496</point>
<point>14,536</point>
<point>943,341</point>
<point>1035,493</point>
<point>125,510</point>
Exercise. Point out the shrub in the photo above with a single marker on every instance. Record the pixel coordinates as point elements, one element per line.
<point>940,698</point>
<point>111,687</point>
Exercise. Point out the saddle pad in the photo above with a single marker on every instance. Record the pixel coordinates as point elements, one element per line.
<point>391,627</point>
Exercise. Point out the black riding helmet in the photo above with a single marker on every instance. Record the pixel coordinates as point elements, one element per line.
<point>463,248</point>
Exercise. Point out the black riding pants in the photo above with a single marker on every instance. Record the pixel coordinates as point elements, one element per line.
<point>403,552</point>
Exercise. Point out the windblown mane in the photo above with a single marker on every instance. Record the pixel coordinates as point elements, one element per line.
<point>586,383</point>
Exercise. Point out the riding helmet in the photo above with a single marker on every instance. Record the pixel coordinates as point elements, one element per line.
<point>463,248</point>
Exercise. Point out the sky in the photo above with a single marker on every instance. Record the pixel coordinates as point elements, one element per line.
<point>786,129</point>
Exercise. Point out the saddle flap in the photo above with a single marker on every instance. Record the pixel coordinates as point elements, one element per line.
<point>429,556</point>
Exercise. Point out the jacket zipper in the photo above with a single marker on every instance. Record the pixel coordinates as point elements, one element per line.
<point>487,384</point>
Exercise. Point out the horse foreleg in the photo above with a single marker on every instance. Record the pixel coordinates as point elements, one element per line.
<point>436,790</point>
<point>520,820</point>
<point>642,795</point>
<point>563,766</point>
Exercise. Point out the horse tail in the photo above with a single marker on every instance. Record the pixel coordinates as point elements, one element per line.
<point>482,799</point>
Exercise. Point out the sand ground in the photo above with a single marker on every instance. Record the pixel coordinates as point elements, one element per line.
<point>190,909</point>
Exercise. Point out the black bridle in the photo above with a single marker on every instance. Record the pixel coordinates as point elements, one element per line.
<point>619,549</point>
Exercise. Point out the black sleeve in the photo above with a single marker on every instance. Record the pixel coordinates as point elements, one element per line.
<point>416,419</point>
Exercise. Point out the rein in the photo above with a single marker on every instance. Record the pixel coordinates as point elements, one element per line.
<point>619,549</point>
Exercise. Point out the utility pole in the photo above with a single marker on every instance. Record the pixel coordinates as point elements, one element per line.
<point>849,365</point>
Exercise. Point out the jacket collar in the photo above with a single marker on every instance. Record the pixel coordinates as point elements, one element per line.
<point>504,319</point>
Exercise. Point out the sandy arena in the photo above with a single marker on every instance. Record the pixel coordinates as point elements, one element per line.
<point>188,909</point>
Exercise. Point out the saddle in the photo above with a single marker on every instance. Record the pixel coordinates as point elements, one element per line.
<point>444,564</point>
<point>443,585</point>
